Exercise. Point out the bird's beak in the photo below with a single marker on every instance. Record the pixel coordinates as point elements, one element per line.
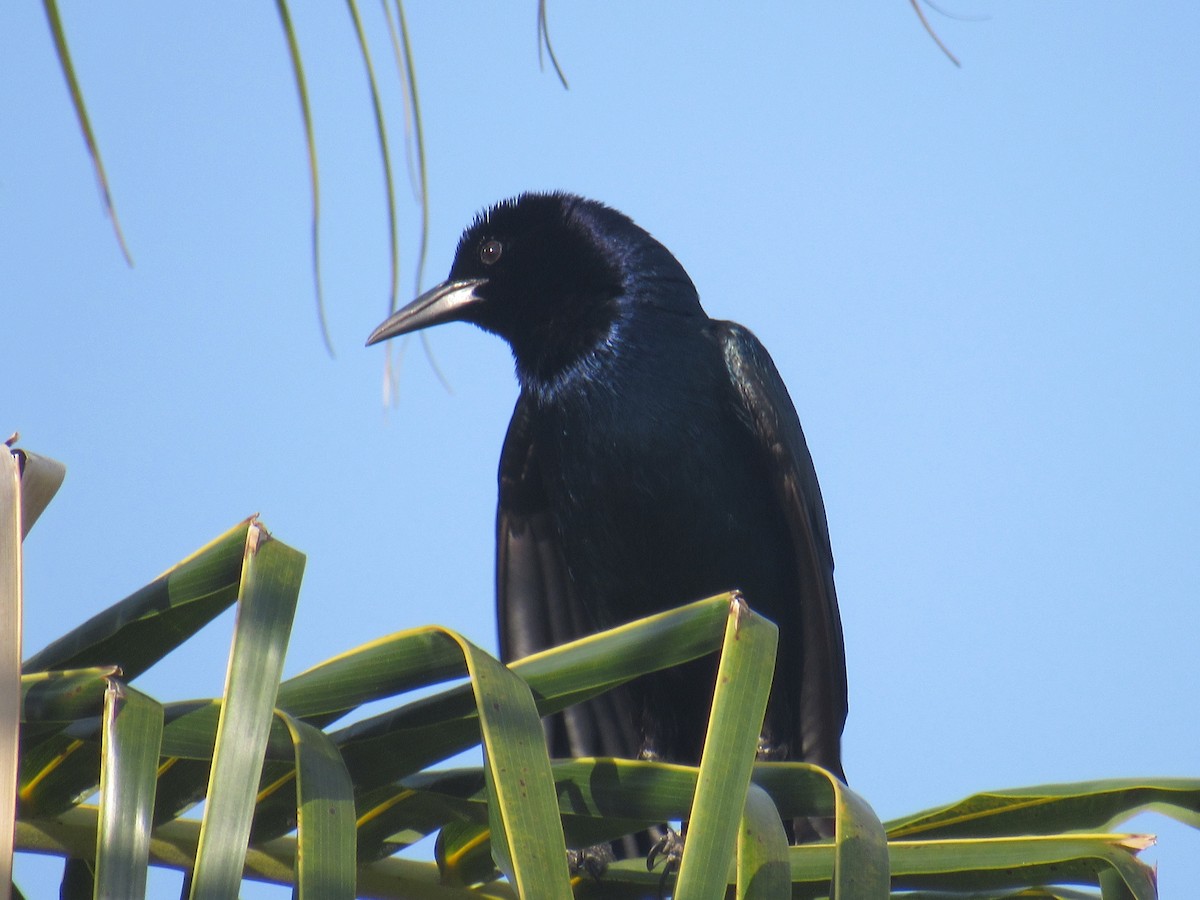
<point>448,302</point>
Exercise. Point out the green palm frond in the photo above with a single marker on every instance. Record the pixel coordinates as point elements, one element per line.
<point>296,798</point>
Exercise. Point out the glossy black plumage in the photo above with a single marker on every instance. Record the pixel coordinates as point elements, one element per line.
<point>654,457</point>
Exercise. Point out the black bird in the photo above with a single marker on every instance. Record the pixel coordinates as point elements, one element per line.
<point>654,457</point>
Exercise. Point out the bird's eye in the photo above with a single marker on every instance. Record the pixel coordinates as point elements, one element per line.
<point>490,252</point>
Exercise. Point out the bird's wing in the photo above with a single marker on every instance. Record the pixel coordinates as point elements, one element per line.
<point>536,606</point>
<point>764,405</point>
<point>533,591</point>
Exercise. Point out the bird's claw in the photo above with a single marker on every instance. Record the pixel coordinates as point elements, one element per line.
<point>591,861</point>
<point>670,848</point>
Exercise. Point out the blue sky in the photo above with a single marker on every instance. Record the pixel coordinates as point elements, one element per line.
<point>980,284</point>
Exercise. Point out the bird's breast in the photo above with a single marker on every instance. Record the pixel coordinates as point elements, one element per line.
<point>658,493</point>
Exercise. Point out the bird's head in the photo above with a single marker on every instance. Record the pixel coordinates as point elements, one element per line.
<point>552,274</point>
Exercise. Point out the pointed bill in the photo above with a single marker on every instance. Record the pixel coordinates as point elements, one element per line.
<point>448,302</point>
